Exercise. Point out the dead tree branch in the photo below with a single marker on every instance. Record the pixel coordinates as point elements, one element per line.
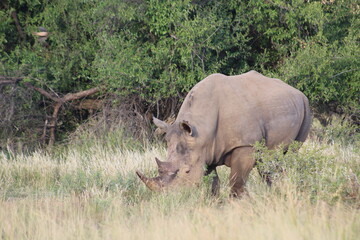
<point>59,102</point>
<point>9,80</point>
<point>18,26</point>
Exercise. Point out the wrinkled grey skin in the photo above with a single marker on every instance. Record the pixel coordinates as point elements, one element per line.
<point>218,123</point>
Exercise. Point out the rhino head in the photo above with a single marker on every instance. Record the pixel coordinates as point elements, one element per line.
<point>184,165</point>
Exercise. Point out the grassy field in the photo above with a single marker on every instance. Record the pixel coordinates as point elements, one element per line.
<point>88,190</point>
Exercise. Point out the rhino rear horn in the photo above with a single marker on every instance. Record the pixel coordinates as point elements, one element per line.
<point>159,163</point>
<point>165,167</point>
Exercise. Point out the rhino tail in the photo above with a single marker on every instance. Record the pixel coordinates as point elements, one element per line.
<point>306,123</point>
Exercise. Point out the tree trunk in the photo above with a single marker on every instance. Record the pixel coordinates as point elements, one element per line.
<point>53,123</point>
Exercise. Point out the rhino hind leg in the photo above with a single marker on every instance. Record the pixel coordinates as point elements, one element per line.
<point>241,162</point>
<point>265,176</point>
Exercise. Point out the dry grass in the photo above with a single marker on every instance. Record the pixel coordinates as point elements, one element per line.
<point>92,193</point>
<point>76,217</point>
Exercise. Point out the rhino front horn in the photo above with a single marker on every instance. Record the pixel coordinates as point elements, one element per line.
<point>151,183</point>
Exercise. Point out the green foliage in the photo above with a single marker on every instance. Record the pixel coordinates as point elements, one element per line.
<point>326,67</point>
<point>313,170</point>
<point>157,49</point>
<point>339,131</point>
<point>64,61</point>
<point>327,73</point>
<point>176,46</point>
<point>150,51</point>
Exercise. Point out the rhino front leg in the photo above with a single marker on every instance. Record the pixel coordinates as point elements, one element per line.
<point>241,162</point>
<point>215,186</point>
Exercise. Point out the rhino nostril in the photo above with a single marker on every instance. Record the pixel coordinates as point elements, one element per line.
<point>187,171</point>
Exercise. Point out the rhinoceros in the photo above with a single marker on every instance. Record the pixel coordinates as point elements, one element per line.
<point>220,120</point>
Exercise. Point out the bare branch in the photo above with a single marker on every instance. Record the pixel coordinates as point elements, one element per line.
<point>59,102</point>
<point>53,123</point>
<point>17,23</point>
<point>89,104</point>
<point>9,80</point>
<point>43,92</point>
<point>336,75</point>
<point>75,96</point>
<point>4,82</point>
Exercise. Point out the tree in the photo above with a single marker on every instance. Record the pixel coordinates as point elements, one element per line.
<point>150,53</point>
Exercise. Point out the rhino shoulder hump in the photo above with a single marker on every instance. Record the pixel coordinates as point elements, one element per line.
<point>211,81</point>
<point>253,72</point>
<point>215,76</point>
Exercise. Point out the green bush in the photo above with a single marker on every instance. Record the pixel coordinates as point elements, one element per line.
<point>147,52</point>
<point>312,170</point>
<point>338,131</point>
<point>328,74</point>
<point>326,66</point>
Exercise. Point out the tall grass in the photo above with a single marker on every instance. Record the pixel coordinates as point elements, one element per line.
<point>89,191</point>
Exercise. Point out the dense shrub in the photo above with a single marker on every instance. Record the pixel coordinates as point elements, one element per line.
<point>315,170</point>
<point>152,52</point>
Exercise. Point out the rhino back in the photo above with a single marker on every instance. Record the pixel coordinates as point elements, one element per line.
<point>235,111</point>
<point>269,109</point>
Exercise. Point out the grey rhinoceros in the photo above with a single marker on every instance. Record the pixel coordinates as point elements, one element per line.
<point>220,120</point>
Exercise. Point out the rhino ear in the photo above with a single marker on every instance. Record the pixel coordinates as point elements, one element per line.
<point>186,127</point>
<point>160,124</point>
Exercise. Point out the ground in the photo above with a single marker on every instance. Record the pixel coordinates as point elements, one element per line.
<point>89,190</point>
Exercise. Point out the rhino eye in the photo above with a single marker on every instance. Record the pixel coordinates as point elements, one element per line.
<point>180,148</point>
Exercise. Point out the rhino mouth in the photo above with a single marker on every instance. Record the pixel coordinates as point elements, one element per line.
<point>167,174</point>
